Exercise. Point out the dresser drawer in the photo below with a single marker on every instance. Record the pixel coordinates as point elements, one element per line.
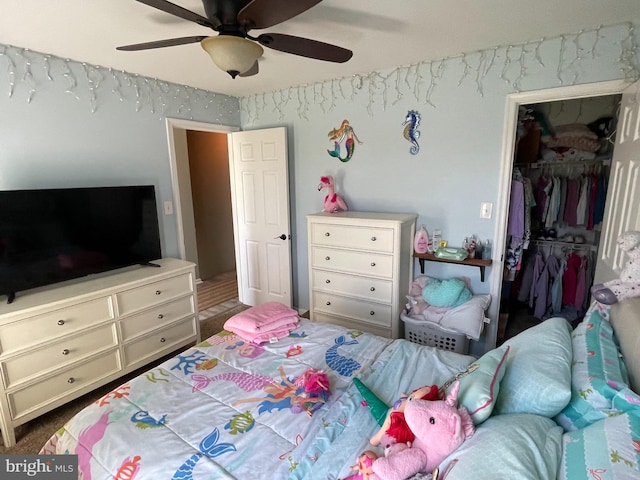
<point>46,390</point>
<point>154,318</point>
<point>364,287</point>
<point>352,324</point>
<point>364,263</point>
<point>137,299</point>
<point>165,340</point>
<point>58,354</point>
<point>376,239</point>
<point>38,328</point>
<point>368,312</point>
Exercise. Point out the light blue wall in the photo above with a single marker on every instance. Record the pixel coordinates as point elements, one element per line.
<point>91,126</point>
<point>461,140</point>
<point>63,124</point>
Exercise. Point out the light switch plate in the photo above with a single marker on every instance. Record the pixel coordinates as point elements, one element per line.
<point>486,209</point>
<point>168,207</point>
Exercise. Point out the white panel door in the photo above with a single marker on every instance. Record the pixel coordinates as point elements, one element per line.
<point>260,198</point>
<point>622,212</point>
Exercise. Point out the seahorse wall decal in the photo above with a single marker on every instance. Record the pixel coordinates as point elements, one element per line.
<point>343,365</point>
<point>209,447</point>
<point>346,133</point>
<point>411,133</point>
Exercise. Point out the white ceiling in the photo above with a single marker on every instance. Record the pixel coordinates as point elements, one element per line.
<point>381,33</point>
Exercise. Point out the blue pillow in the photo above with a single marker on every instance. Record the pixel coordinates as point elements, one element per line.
<point>538,375</point>
<point>522,446</point>
<point>608,448</point>
<point>446,293</point>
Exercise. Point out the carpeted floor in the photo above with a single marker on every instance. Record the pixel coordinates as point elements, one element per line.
<point>218,290</point>
<point>34,434</point>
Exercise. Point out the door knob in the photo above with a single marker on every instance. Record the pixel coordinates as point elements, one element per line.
<point>281,237</point>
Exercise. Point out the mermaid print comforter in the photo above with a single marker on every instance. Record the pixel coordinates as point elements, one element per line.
<point>228,409</point>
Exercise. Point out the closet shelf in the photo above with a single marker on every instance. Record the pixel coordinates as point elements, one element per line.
<point>595,161</point>
<point>472,262</point>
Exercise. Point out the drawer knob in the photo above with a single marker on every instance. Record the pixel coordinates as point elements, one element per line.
<point>327,281</point>
<point>71,380</point>
<point>373,264</point>
<point>373,239</point>
<point>372,313</point>
<point>373,289</point>
<point>158,292</point>
<point>160,316</point>
<point>327,234</point>
<point>60,322</point>
<point>162,340</point>
<point>65,351</point>
<point>328,303</point>
<point>327,258</point>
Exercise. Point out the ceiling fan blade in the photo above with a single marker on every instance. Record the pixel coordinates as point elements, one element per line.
<point>252,71</point>
<point>267,13</point>
<point>161,43</point>
<point>178,11</point>
<point>305,47</point>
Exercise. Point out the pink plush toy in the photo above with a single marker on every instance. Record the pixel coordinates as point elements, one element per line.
<point>332,202</point>
<point>440,427</point>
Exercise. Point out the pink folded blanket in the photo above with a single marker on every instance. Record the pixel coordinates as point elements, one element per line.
<point>264,337</point>
<point>262,318</point>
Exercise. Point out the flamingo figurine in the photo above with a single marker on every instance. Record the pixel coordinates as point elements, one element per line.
<point>333,202</point>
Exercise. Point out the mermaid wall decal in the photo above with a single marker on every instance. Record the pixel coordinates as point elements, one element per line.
<point>411,133</point>
<point>338,135</point>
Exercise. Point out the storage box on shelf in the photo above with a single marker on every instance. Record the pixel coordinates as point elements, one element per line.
<point>62,341</point>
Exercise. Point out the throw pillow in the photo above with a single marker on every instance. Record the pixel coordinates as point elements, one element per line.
<point>446,293</point>
<point>538,371</point>
<point>608,448</point>
<point>479,388</point>
<point>522,446</point>
<point>598,375</point>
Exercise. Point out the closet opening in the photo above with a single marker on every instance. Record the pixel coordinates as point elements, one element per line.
<point>559,184</point>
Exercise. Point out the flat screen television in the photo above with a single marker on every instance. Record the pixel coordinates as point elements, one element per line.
<point>53,235</point>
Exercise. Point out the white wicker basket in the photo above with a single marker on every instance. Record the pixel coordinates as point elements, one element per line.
<point>427,333</point>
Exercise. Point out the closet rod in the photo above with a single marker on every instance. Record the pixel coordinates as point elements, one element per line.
<point>572,245</point>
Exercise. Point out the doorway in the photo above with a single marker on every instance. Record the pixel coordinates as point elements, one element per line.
<point>200,176</point>
<point>513,106</point>
<point>258,178</point>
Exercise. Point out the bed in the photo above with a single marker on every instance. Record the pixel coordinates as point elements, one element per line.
<point>549,403</point>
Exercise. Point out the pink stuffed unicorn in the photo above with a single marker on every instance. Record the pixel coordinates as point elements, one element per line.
<point>332,202</point>
<point>440,427</point>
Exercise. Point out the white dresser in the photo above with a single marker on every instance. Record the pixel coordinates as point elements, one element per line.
<point>62,341</point>
<point>360,269</point>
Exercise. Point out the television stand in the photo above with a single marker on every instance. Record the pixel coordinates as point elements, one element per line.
<point>63,341</point>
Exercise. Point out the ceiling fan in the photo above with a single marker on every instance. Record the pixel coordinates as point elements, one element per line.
<point>233,49</point>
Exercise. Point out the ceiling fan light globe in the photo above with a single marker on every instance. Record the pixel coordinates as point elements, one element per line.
<point>234,55</point>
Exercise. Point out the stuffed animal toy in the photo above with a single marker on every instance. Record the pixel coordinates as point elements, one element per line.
<point>315,384</point>
<point>395,428</point>
<point>628,285</point>
<point>440,427</point>
<point>332,202</point>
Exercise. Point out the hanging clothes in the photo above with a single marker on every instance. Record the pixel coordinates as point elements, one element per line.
<point>570,279</point>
